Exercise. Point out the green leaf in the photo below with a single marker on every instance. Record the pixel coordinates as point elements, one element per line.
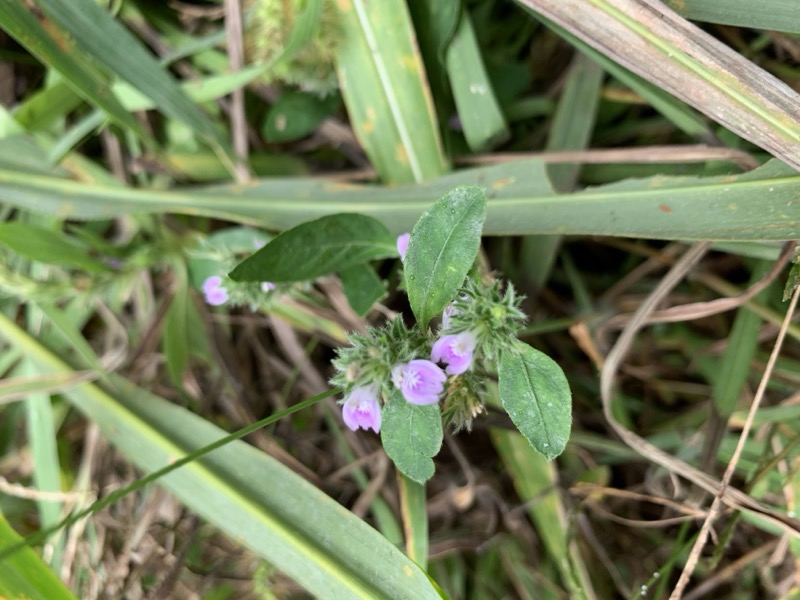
<point>481,118</point>
<point>48,246</point>
<point>318,247</point>
<point>535,394</point>
<point>522,202</point>
<point>411,435</point>
<point>792,281</point>
<point>775,15</point>
<point>110,44</point>
<point>385,89</point>
<point>175,340</point>
<point>47,42</point>
<point>362,286</point>
<point>244,492</point>
<point>442,249</point>
<point>295,115</point>
<point>24,574</point>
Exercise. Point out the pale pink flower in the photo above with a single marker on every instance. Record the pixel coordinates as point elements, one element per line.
<point>402,244</point>
<point>420,381</point>
<point>215,294</point>
<point>456,351</point>
<point>267,286</point>
<point>362,409</point>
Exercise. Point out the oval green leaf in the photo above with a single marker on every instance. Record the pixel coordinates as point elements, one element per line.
<point>315,248</point>
<point>535,394</point>
<point>411,435</point>
<point>442,248</point>
<point>362,287</point>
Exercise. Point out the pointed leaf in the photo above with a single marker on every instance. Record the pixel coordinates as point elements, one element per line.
<point>442,248</point>
<point>411,434</point>
<point>318,247</point>
<point>535,394</point>
<point>363,287</point>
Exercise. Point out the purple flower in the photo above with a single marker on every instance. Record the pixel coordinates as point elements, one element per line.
<point>267,286</point>
<point>362,409</point>
<point>420,381</point>
<point>215,294</point>
<point>402,244</point>
<point>455,351</point>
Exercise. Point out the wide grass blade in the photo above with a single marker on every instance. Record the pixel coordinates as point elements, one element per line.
<point>760,205</point>
<point>775,15</point>
<point>244,492</point>
<point>651,40</point>
<point>386,92</point>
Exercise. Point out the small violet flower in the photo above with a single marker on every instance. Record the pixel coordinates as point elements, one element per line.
<point>456,351</point>
<point>215,294</point>
<point>420,381</point>
<point>402,244</point>
<point>361,409</point>
<point>267,286</point>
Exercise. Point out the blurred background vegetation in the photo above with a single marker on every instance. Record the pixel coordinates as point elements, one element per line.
<point>145,146</point>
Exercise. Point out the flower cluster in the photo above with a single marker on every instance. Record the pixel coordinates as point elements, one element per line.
<point>477,325</point>
<point>218,291</point>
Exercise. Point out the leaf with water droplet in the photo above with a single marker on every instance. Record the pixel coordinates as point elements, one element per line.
<point>535,394</point>
<point>442,249</point>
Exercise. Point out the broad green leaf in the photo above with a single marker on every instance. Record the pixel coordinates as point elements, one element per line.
<point>110,44</point>
<point>384,87</point>
<point>411,435</point>
<point>362,286</point>
<point>241,490</point>
<point>535,394</point>
<point>23,575</point>
<point>775,15</point>
<point>295,115</point>
<point>48,246</point>
<point>318,247</point>
<point>46,41</point>
<point>442,249</point>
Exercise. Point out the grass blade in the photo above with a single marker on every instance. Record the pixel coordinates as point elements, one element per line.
<point>384,87</point>
<point>24,575</point>
<point>47,43</point>
<point>775,15</point>
<point>755,206</point>
<point>100,36</point>
<point>654,42</point>
<point>483,122</point>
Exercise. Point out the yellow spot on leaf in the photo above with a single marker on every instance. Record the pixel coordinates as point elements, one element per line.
<point>369,125</point>
<point>410,62</point>
<point>400,154</point>
<point>344,5</point>
<point>499,184</point>
<point>408,571</point>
